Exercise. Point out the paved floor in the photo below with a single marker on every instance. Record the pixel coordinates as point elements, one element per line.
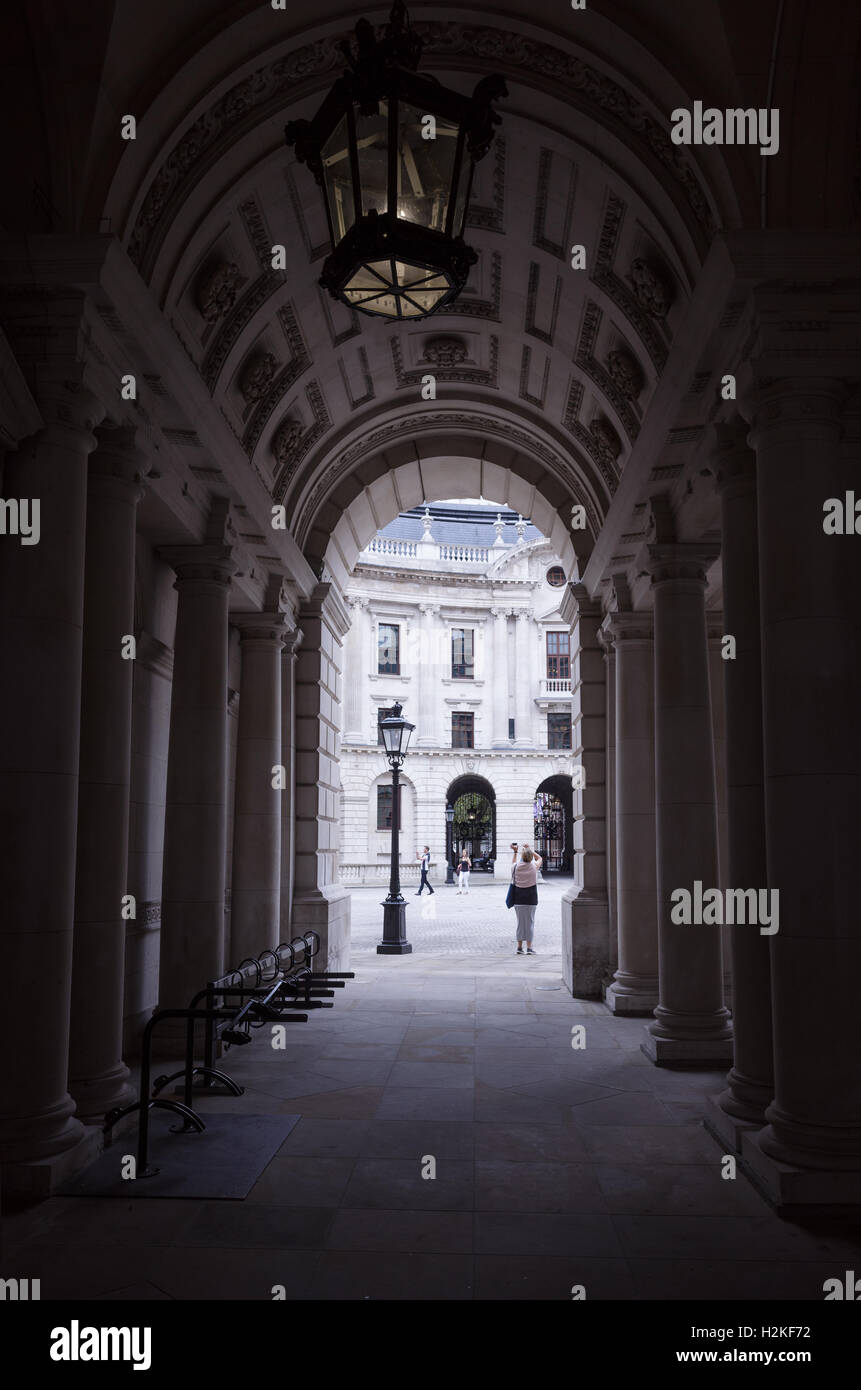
<point>555,1166</point>
<point>453,924</point>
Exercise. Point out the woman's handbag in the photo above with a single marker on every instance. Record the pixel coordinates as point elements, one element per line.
<point>510,895</point>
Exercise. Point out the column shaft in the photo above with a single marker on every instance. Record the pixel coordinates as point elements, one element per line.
<point>288,804</point>
<point>691,1020</point>
<point>256,885</point>
<point>751,1080</point>
<point>97,1074</point>
<point>635,985</point>
<point>192,934</point>
<point>41,618</point>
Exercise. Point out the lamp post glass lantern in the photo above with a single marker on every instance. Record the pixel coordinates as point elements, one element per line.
<point>396,732</point>
<point>393,154</point>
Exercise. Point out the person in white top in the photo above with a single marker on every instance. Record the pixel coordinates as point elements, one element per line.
<point>425,882</point>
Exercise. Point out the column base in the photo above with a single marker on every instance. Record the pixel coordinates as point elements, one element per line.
<point>40,1179</point>
<point>630,1001</point>
<point>95,1096</point>
<point>727,1129</point>
<point>785,1185</point>
<point>327,912</point>
<point>585,936</point>
<point>686,1052</point>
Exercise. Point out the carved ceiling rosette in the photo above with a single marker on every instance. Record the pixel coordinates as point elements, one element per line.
<point>626,373</point>
<point>286,438</point>
<point>607,442</point>
<point>652,289</point>
<point>257,375</point>
<point>445,351</point>
<point>216,292</point>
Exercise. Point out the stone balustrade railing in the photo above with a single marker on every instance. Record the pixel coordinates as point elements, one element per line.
<point>556,685</point>
<point>468,554</point>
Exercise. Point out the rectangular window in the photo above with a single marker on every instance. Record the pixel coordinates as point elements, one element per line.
<point>559,731</point>
<point>462,654</point>
<point>384,807</point>
<point>511,728</point>
<point>388,649</point>
<point>381,715</point>
<point>462,731</point>
<point>558,656</point>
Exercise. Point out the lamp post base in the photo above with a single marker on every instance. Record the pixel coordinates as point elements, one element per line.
<point>394,942</point>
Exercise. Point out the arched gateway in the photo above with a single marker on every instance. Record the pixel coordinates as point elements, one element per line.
<point>271,432</point>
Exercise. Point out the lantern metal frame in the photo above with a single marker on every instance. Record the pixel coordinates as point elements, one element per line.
<point>383,244</point>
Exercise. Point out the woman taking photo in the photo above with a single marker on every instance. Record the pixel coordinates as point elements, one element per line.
<point>524,877</point>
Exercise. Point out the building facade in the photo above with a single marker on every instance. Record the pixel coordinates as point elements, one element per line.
<point>455,615</point>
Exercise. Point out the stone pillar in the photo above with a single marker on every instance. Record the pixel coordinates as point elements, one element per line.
<point>609,650</point>
<point>320,902</point>
<point>41,619</point>
<point>751,1080</point>
<point>256,884</point>
<point>692,1024</point>
<point>427,673</point>
<point>98,1076</point>
<point>355,670</point>
<point>810,1150</point>
<point>500,700</point>
<point>585,907</point>
<point>292,643</point>
<point>523,677</point>
<point>192,932</point>
<point>635,985</point>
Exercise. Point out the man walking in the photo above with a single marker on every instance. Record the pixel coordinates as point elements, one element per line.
<point>425,882</point>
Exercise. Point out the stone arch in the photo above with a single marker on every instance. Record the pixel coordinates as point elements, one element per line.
<point>335,527</point>
<point>556,846</point>
<point>471,785</point>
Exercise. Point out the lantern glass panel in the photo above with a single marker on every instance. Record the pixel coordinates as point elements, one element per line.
<point>424,168</point>
<point>461,196</point>
<point>372,142</point>
<point>339,180</point>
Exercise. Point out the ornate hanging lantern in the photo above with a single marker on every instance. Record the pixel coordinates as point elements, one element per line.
<point>394,155</point>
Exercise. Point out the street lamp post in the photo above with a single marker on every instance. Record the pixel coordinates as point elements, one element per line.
<point>396,737</point>
<point>449,868</point>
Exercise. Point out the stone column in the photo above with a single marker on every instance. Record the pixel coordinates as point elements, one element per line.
<point>192,932</point>
<point>523,677</point>
<point>810,1149</point>
<point>609,649</point>
<point>499,648</point>
<point>355,670</point>
<point>751,1080</point>
<point>256,884</point>
<point>41,619</point>
<point>98,1076</point>
<point>585,907</point>
<point>292,643</point>
<point>320,902</point>
<point>635,985</point>
<point>426,671</point>
<point>692,1024</point>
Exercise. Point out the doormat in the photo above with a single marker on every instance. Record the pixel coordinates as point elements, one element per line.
<point>224,1162</point>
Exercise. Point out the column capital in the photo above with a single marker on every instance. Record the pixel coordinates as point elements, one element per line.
<point>292,642</point>
<point>119,463</point>
<point>265,629</point>
<point>200,564</point>
<point>629,627</point>
<point>429,609</point>
<point>680,560</point>
<point>326,603</point>
<point>799,407</point>
<point>732,459</point>
<point>68,408</point>
<point>578,603</point>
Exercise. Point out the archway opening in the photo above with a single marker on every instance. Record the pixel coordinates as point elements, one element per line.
<point>553,813</point>
<point>473,825</point>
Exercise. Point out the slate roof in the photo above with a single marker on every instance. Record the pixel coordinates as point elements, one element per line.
<point>458,525</point>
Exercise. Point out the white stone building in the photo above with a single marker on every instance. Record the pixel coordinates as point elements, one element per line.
<point>455,614</point>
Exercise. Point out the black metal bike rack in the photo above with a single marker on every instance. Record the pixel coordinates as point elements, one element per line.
<point>284,988</point>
